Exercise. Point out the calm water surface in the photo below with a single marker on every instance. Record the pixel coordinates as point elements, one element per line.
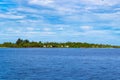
<point>59,64</point>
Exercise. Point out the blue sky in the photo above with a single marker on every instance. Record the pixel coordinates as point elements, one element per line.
<point>93,21</point>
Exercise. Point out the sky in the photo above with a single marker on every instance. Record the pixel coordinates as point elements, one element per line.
<point>92,21</point>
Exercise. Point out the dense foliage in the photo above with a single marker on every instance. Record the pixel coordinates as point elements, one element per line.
<point>26,44</point>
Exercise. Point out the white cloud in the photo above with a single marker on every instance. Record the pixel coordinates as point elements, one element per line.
<point>30,28</point>
<point>108,16</point>
<point>41,2</point>
<point>11,16</point>
<point>33,18</point>
<point>86,28</point>
<point>26,32</point>
<point>47,29</point>
<point>26,9</point>
<point>100,2</point>
<point>48,33</point>
<point>12,30</point>
<point>67,7</point>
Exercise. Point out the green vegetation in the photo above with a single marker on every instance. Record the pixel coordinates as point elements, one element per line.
<point>27,44</point>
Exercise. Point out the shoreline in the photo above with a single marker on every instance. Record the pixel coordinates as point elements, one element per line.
<point>55,48</point>
<point>20,43</point>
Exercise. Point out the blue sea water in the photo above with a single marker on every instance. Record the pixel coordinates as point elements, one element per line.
<point>59,64</point>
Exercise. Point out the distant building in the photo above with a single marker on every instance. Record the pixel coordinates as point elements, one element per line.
<point>62,46</point>
<point>67,46</point>
<point>44,46</point>
<point>51,46</point>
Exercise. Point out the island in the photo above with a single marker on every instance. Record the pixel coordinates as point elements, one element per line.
<point>20,43</point>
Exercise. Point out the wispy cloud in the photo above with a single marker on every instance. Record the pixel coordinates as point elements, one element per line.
<point>41,2</point>
<point>61,20</point>
<point>11,16</point>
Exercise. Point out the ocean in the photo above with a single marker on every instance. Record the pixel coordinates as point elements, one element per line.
<point>59,64</point>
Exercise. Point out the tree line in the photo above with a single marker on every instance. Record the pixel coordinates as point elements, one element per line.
<point>20,43</point>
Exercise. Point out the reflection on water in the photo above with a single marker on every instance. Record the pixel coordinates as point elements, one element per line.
<point>59,64</point>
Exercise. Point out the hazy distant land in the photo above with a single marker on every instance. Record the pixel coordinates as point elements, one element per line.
<point>20,43</point>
